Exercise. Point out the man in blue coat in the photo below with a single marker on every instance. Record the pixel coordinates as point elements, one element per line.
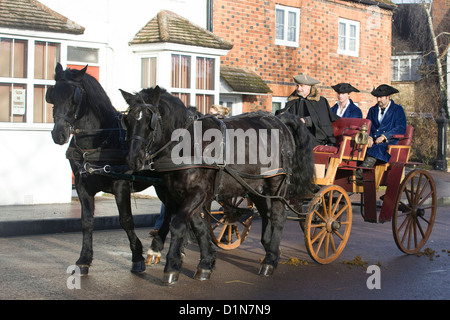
<point>388,119</point>
<point>344,107</point>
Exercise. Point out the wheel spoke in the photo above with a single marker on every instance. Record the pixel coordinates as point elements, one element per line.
<point>324,238</point>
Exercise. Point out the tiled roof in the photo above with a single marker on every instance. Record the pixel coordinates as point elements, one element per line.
<point>385,4</point>
<point>241,80</point>
<point>33,15</point>
<point>170,27</point>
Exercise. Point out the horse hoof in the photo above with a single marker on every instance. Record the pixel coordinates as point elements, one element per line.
<point>202,274</point>
<point>153,257</point>
<point>170,277</point>
<point>84,269</point>
<point>138,267</point>
<point>266,270</point>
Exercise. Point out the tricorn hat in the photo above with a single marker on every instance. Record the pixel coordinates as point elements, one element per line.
<point>344,88</point>
<point>304,79</point>
<point>384,90</point>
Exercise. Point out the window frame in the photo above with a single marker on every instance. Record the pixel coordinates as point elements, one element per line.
<point>400,58</point>
<point>346,50</point>
<point>30,82</point>
<point>285,41</point>
<point>278,100</point>
<point>193,93</point>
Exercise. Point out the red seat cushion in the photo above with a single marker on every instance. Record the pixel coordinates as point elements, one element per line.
<point>326,149</point>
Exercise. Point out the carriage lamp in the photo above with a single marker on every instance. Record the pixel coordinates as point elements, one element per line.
<point>441,158</point>
<point>362,137</point>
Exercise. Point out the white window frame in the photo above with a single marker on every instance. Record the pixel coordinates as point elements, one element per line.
<point>30,82</point>
<point>346,50</point>
<point>409,58</point>
<point>281,100</point>
<point>284,41</point>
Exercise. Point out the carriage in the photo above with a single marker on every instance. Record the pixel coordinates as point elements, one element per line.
<point>389,192</point>
<point>97,156</point>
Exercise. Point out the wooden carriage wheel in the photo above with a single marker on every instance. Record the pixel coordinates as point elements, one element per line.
<point>415,211</point>
<point>328,224</point>
<point>228,233</point>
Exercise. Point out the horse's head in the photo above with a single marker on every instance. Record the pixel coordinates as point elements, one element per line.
<point>141,123</point>
<point>67,98</point>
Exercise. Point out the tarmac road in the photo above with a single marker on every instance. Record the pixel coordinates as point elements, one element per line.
<point>35,267</point>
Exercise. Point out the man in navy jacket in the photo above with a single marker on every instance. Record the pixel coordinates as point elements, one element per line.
<point>344,107</point>
<point>388,119</point>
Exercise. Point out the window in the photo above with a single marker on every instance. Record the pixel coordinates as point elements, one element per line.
<point>196,83</point>
<point>348,36</point>
<point>405,68</point>
<point>148,72</point>
<point>278,103</point>
<point>79,57</point>
<point>46,55</point>
<point>204,80</point>
<point>82,54</point>
<point>27,68</point>
<point>287,26</point>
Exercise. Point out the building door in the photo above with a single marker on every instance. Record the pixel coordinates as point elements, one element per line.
<point>234,102</point>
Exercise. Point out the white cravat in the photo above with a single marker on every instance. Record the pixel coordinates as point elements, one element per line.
<point>340,111</point>
<point>381,116</point>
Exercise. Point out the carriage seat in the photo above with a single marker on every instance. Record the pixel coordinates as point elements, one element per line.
<point>328,158</point>
<point>401,151</point>
<point>344,130</point>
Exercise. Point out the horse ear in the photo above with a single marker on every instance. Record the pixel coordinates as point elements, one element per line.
<point>58,71</point>
<point>129,98</point>
<point>80,74</point>
<point>48,97</point>
<point>156,95</point>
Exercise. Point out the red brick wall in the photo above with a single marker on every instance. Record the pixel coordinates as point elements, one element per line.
<point>250,26</point>
<point>441,20</point>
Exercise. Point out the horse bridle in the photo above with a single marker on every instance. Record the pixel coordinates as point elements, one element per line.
<point>77,100</point>
<point>153,123</point>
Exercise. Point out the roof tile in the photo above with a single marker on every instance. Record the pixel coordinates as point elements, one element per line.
<point>170,27</point>
<point>241,80</point>
<point>33,15</point>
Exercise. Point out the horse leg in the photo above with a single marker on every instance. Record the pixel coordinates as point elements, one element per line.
<point>154,253</point>
<point>273,217</point>
<point>179,231</point>
<point>123,201</point>
<point>207,253</point>
<point>271,237</point>
<point>87,225</point>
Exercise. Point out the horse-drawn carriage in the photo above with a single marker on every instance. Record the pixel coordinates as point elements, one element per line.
<point>97,156</point>
<point>326,216</point>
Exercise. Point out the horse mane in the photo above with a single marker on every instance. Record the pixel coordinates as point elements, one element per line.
<point>170,108</point>
<point>303,159</point>
<point>96,97</point>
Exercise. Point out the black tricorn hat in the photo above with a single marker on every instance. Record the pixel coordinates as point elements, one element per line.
<point>344,88</point>
<point>384,90</point>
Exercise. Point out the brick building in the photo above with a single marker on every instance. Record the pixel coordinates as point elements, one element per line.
<point>331,40</point>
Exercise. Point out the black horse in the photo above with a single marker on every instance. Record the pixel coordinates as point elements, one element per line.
<point>82,108</point>
<point>204,159</point>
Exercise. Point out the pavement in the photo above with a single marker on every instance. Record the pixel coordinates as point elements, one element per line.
<point>21,220</point>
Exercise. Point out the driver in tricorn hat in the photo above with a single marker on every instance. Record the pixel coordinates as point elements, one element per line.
<point>388,119</point>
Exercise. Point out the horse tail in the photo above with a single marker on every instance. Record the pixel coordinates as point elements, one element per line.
<point>303,157</point>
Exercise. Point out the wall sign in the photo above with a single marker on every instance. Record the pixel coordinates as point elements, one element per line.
<point>18,100</point>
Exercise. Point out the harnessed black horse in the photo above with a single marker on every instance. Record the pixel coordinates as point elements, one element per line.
<point>201,161</point>
<point>82,108</point>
